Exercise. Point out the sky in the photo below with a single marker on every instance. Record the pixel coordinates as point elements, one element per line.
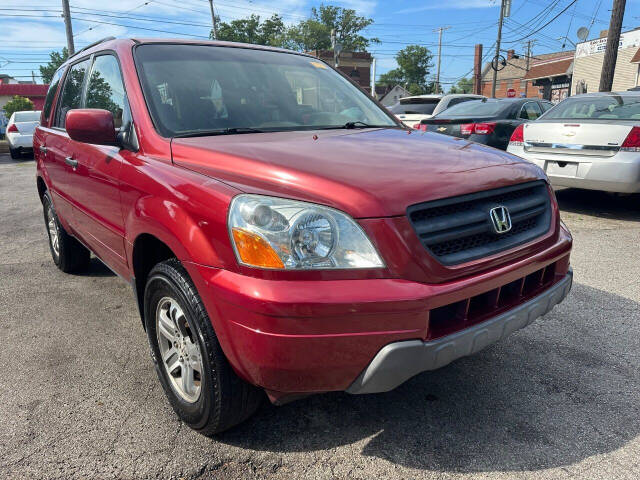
<point>29,29</point>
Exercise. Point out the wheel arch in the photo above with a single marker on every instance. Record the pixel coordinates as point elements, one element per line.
<point>42,187</point>
<point>148,250</point>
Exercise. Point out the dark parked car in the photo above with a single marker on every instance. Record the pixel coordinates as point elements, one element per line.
<point>490,121</point>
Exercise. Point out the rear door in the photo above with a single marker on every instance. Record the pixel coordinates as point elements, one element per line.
<point>96,181</point>
<point>57,143</point>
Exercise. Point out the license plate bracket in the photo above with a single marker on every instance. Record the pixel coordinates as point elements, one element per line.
<point>562,169</point>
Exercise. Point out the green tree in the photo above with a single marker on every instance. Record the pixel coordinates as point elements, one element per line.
<point>17,104</point>
<point>271,31</point>
<point>464,85</point>
<point>392,78</point>
<point>414,64</point>
<point>55,60</point>
<point>315,32</point>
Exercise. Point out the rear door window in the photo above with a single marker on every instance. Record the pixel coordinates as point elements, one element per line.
<point>415,106</point>
<point>71,92</point>
<point>26,117</point>
<point>105,89</point>
<point>530,111</point>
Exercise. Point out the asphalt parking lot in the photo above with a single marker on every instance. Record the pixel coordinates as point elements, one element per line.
<point>561,399</point>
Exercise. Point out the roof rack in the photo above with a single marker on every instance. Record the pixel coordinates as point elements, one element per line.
<point>102,40</point>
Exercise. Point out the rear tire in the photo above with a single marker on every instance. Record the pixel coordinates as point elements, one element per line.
<point>68,254</point>
<point>15,153</point>
<point>218,399</point>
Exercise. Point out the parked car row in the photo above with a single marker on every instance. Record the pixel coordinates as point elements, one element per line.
<point>589,141</point>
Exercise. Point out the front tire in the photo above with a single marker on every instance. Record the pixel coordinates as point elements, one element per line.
<point>198,380</point>
<point>68,254</point>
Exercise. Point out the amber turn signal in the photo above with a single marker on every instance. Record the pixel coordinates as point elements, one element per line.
<point>254,250</point>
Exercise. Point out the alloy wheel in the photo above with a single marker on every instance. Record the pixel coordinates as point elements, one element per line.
<point>54,234</point>
<point>179,350</point>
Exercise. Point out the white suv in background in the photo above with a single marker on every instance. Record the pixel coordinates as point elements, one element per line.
<point>412,110</point>
<point>589,141</point>
<point>20,132</point>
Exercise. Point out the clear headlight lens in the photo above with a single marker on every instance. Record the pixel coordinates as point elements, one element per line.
<point>269,232</point>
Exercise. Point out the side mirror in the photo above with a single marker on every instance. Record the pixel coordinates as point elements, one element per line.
<point>91,125</point>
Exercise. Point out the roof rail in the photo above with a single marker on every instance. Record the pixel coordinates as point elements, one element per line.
<point>102,40</point>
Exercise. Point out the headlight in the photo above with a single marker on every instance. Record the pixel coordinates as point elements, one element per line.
<point>269,232</point>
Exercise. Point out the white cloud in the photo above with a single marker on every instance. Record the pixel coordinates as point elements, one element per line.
<point>362,7</point>
<point>385,64</point>
<point>450,4</point>
<point>18,32</point>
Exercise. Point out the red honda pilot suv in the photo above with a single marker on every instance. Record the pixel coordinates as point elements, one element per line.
<point>282,232</point>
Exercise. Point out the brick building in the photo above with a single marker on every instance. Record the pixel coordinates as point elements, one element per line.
<point>33,92</point>
<point>356,65</point>
<point>515,75</point>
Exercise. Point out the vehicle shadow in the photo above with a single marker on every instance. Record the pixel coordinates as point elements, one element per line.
<point>599,204</point>
<point>97,269</point>
<point>562,390</point>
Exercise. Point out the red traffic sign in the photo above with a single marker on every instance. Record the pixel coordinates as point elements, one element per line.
<point>511,93</point>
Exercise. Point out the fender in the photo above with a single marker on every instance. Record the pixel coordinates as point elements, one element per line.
<point>182,209</point>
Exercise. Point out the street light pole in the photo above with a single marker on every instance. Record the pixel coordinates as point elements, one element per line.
<point>67,26</point>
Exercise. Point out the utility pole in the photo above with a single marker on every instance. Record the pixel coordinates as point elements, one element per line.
<point>503,4</point>
<point>67,26</point>
<point>439,30</point>
<point>613,41</point>
<point>526,82</point>
<point>213,20</point>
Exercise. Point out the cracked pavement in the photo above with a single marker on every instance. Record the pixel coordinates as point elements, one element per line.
<point>560,399</point>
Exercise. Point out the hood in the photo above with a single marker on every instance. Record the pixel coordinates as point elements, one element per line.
<point>366,173</point>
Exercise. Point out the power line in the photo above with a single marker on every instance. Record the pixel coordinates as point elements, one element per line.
<point>545,25</point>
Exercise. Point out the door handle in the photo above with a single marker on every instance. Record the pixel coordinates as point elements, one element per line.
<point>43,149</point>
<point>71,162</point>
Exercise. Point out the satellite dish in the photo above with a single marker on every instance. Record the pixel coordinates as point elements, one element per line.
<point>583,33</point>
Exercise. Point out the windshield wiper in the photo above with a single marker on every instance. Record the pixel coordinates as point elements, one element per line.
<point>356,124</point>
<point>359,124</point>
<point>220,131</point>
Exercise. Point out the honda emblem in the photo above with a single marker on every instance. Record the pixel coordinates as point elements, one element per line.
<point>501,219</point>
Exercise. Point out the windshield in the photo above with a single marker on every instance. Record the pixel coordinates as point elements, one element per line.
<point>614,107</point>
<point>26,117</point>
<point>200,88</point>
<point>475,108</point>
<point>416,106</point>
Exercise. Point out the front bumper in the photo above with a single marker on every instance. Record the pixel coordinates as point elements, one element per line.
<point>399,361</point>
<point>303,336</point>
